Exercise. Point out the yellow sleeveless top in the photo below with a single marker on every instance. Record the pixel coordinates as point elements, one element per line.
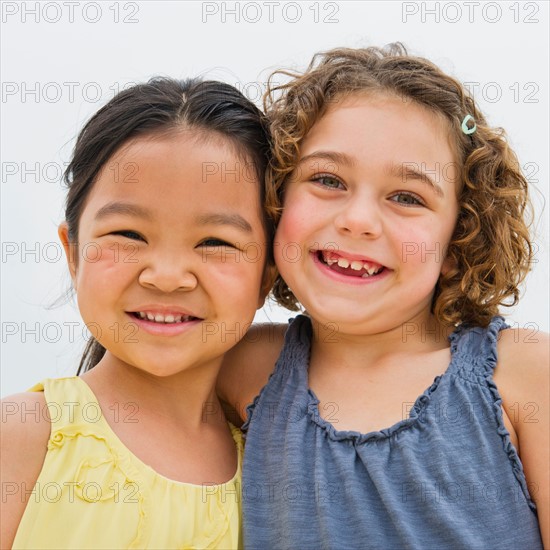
<point>94,493</point>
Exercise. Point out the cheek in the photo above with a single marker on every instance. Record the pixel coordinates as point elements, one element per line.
<point>116,255</point>
<point>288,231</point>
<point>236,279</point>
<point>101,274</point>
<point>92,297</point>
<point>109,257</point>
<point>423,249</point>
<point>297,222</point>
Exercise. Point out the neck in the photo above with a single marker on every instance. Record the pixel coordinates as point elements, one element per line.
<point>419,334</point>
<point>187,396</point>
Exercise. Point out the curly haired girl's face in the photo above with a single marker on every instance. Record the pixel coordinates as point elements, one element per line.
<point>368,214</point>
<point>171,252</point>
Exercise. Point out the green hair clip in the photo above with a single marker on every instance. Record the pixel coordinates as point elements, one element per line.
<point>465,127</point>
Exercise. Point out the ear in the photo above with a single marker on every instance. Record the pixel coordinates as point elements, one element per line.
<point>268,280</point>
<point>70,250</point>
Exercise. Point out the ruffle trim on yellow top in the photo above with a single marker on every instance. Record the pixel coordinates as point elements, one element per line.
<point>93,492</point>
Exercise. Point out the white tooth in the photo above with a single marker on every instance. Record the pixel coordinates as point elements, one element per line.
<point>177,319</point>
<point>327,259</point>
<point>169,319</point>
<point>365,275</point>
<point>141,314</point>
<point>371,270</point>
<point>159,318</point>
<point>151,317</point>
<point>356,266</point>
<point>342,262</point>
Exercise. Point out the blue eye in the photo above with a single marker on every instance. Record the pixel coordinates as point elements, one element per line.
<point>326,180</point>
<point>129,234</point>
<point>407,199</point>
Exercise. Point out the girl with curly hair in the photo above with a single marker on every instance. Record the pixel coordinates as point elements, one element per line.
<point>402,411</point>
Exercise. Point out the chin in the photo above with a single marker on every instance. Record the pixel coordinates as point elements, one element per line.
<point>160,367</point>
<point>161,371</point>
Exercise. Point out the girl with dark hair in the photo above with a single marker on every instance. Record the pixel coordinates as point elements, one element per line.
<point>166,245</point>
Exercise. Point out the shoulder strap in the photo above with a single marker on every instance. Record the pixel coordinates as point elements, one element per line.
<point>297,343</point>
<point>70,402</point>
<point>478,343</point>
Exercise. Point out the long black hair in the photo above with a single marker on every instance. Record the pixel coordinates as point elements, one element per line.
<point>162,104</point>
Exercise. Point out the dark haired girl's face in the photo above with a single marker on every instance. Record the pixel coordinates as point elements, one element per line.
<point>171,253</point>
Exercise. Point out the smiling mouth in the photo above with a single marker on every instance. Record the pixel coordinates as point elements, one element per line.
<point>168,319</point>
<point>352,268</point>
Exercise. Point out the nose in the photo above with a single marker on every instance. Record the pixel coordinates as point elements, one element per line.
<point>360,216</point>
<point>168,273</point>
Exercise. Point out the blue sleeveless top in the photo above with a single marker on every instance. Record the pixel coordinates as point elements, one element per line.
<point>446,477</point>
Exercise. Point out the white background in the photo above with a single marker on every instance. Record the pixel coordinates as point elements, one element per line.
<point>75,55</point>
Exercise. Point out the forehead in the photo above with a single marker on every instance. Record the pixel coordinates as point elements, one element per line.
<point>384,135</point>
<point>178,172</point>
<point>383,119</point>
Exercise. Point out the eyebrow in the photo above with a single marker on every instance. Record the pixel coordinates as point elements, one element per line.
<point>330,156</point>
<point>124,208</point>
<point>129,209</point>
<point>235,220</point>
<point>410,171</point>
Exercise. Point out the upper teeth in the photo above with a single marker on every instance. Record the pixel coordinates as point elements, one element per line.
<point>370,271</point>
<point>158,318</point>
<point>356,265</point>
<point>342,262</point>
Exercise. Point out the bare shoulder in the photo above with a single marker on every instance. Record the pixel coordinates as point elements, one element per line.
<point>523,362</point>
<point>25,422</point>
<point>25,431</point>
<point>247,366</point>
<point>523,379</point>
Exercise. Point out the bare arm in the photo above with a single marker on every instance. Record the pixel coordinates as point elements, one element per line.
<point>523,379</point>
<point>25,430</point>
<point>247,366</point>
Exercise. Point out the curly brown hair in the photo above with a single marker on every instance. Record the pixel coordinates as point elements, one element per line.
<point>490,250</point>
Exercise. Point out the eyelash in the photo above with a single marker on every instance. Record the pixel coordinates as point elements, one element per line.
<point>219,242</point>
<point>136,236</point>
<point>127,232</point>
<point>318,177</point>
<point>419,201</point>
